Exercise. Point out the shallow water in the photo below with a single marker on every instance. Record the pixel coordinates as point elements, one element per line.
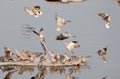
<point>85,24</point>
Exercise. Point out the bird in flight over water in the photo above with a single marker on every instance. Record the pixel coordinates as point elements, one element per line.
<point>60,22</point>
<point>102,54</point>
<point>71,45</point>
<point>64,36</point>
<point>42,39</point>
<point>34,11</point>
<point>106,18</point>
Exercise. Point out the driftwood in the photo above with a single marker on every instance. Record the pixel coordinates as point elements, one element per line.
<point>33,64</point>
<point>16,63</point>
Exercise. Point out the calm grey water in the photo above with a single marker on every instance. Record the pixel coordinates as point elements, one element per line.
<point>85,24</point>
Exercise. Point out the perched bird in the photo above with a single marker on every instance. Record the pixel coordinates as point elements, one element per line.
<point>57,57</point>
<point>67,57</point>
<point>8,55</point>
<point>76,61</point>
<point>42,39</point>
<point>64,58</point>
<point>35,54</point>
<point>53,57</point>
<point>60,22</point>
<point>106,18</point>
<point>102,54</point>
<point>23,56</point>
<point>71,45</point>
<point>44,59</point>
<point>84,58</point>
<point>64,36</point>
<point>79,61</point>
<point>34,11</point>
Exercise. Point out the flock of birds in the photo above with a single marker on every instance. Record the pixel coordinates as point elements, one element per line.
<point>50,56</point>
<point>60,22</point>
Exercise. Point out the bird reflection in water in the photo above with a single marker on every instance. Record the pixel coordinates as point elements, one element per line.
<point>26,68</point>
<point>9,75</point>
<point>42,71</point>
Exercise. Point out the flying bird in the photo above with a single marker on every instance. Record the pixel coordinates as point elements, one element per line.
<point>64,36</point>
<point>71,45</point>
<point>102,54</point>
<point>42,39</point>
<point>60,22</point>
<point>34,11</point>
<point>106,18</point>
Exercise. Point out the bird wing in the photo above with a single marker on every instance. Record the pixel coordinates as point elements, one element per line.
<point>102,15</point>
<point>99,52</point>
<point>35,32</point>
<point>37,7</point>
<point>41,30</point>
<point>61,37</point>
<point>75,41</point>
<point>29,11</point>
